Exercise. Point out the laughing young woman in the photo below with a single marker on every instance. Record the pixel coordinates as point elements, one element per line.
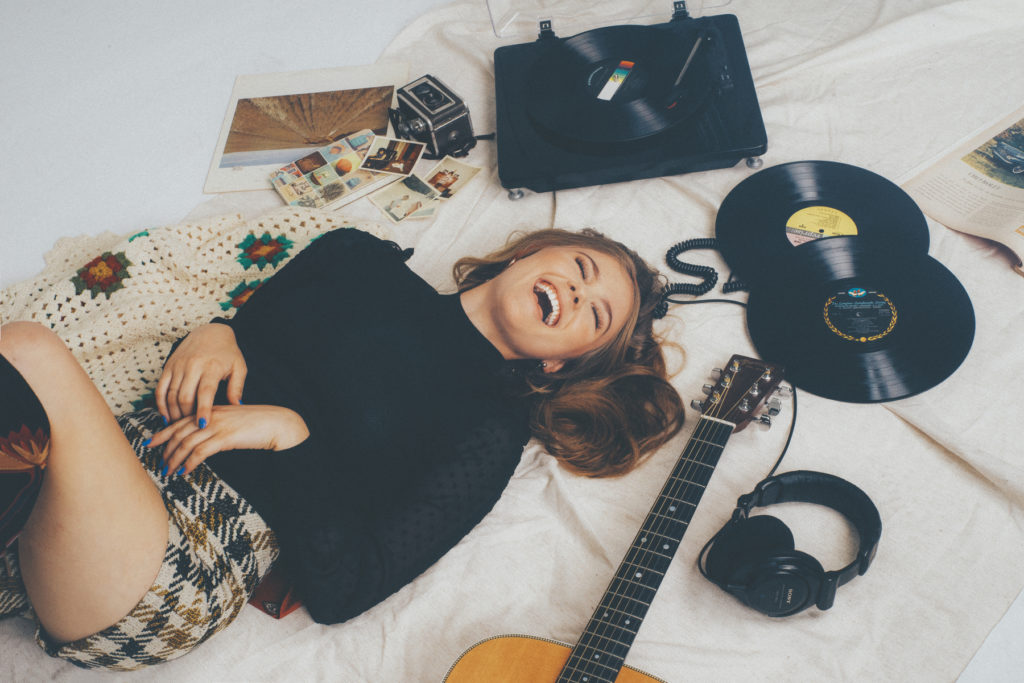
<point>349,422</point>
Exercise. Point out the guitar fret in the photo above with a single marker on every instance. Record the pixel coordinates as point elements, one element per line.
<point>630,617</point>
<point>641,604</point>
<point>709,443</point>
<point>608,639</point>
<point>608,675</point>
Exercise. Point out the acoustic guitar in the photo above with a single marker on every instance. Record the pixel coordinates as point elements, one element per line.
<point>600,653</point>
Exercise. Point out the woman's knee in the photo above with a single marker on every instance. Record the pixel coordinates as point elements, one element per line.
<point>25,341</point>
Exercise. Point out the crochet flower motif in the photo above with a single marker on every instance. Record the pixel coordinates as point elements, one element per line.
<point>263,251</point>
<point>240,294</point>
<point>24,449</point>
<point>105,273</point>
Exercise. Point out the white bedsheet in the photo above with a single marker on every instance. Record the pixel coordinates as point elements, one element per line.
<point>883,84</point>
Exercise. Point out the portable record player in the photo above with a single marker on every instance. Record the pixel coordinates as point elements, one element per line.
<point>624,102</point>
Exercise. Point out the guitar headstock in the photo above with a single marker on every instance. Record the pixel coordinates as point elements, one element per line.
<point>743,385</point>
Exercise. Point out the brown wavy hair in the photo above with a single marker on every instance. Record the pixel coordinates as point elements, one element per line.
<point>601,413</point>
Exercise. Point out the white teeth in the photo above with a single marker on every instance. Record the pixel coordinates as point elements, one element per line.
<point>555,313</point>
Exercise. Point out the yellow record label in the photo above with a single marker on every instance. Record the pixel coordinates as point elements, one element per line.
<point>860,315</point>
<point>817,222</point>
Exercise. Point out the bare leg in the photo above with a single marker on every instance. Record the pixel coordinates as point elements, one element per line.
<point>96,537</point>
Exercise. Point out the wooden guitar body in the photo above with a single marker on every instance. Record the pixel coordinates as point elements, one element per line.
<point>522,659</point>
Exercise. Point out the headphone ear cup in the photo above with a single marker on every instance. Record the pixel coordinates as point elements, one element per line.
<point>784,584</point>
<point>745,543</point>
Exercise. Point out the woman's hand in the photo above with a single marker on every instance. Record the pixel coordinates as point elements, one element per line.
<point>272,428</point>
<point>205,358</point>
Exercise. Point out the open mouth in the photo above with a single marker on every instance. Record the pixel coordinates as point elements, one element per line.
<point>550,311</point>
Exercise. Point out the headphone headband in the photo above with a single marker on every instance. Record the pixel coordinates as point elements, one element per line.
<point>819,488</point>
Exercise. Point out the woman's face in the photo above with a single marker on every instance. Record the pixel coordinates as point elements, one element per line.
<point>560,303</point>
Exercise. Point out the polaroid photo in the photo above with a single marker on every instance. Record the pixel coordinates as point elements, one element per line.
<point>449,176</point>
<point>408,199</point>
<point>391,155</point>
<point>273,119</point>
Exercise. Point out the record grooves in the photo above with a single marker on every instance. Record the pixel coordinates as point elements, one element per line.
<point>768,218</point>
<point>659,79</point>
<point>843,293</point>
<point>855,322</point>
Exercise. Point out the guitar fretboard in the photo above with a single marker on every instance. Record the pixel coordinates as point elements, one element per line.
<point>601,650</point>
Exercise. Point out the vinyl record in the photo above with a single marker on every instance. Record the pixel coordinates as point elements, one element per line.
<point>859,323</point>
<point>619,83</point>
<point>769,217</point>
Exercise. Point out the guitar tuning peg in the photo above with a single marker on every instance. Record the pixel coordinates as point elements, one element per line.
<point>708,388</point>
<point>784,390</point>
<point>716,373</point>
<point>773,406</point>
<point>765,421</point>
<point>697,405</point>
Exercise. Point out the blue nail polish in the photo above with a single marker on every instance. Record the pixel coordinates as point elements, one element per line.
<point>166,421</point>
<point>181,471</point>
<point>147,442</point>
<point>165,469</point>
<point>202,423</point>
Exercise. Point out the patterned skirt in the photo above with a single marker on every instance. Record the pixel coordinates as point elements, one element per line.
<point>218,549</point>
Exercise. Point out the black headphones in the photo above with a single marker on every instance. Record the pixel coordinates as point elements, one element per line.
<point>754,559</point>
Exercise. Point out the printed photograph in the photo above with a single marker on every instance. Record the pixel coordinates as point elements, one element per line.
<point>449,176</point>
<point>390,155</point>
<point>408,199</point>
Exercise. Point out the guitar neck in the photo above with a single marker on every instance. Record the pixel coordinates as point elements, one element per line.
<point>601,650</point>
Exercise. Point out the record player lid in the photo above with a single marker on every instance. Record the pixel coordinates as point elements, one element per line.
<point>520,19</point>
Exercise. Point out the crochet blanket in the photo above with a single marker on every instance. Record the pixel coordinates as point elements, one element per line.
<point>120,301</point>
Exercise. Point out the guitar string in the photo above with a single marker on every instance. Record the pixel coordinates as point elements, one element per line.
<point>689,465</point>
<point>627,595</point>
<point>619,597</point>
<point>641,557</point>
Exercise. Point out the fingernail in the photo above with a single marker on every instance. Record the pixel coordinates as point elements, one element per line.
<point>181,471</point>
<point>202,423</point>
<point>147,442</point>
<point>240,402</point>
<point>165,469</point>
<point>166,421</point>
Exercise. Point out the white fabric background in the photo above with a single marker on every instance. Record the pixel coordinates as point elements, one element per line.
<point>881,84</point>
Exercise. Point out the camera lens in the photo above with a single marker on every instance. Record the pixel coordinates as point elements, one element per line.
<point>429,95</point>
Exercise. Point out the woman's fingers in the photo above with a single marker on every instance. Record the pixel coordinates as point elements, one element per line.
<point>167,394</point>
<point>236,381</point>
<point>194,448</point>
<point>187,390</point>
<point>184,440</point>
<point>258,427</point>
<point>205,393</point>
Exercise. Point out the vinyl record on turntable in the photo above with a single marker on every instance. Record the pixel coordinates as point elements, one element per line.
<point>859,323</point>
<point>770,216</point>
<point>622,103</point>
<point>619,83</point>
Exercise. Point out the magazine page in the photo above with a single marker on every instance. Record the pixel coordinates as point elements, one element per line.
<point>978,187</point>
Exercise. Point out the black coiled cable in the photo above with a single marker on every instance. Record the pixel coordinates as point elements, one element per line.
<point>708,275</point>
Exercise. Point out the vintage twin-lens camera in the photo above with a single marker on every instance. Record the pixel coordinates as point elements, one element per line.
<point>431,113</point>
